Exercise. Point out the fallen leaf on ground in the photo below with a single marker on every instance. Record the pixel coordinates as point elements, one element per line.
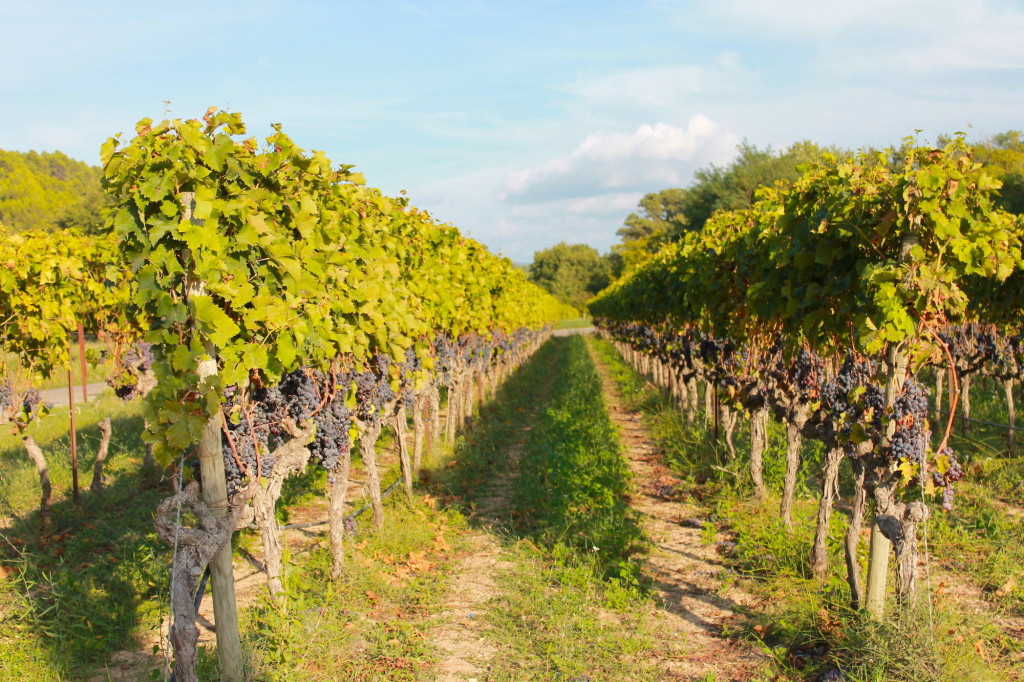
<point>1007,588</point>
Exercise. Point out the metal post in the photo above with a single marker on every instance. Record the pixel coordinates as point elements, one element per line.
<point>74,444</point>
<point>81,358</point>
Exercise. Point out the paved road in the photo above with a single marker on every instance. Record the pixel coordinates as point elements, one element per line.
<point>573,332</point>
<point>59,396</point>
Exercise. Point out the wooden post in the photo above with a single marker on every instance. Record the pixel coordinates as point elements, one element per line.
<point>881,547</point>
<point>215,496</point>
<point>74,444</point>
<point>81,360</point>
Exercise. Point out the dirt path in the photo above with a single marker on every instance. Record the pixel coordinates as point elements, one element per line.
<point>466,651</point>
<point>699,599</point>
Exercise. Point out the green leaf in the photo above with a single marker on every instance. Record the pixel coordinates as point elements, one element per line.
<point>213,321</point>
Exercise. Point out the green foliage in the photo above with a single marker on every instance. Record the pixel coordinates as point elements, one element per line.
<point>570,272</point>
<point>49,192</point>
<point>1003,156</point>
<point>49,283</point>
<point>852,254</point>
<point>270,259</point>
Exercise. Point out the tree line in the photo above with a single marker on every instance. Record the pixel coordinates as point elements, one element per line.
<point>576,272</point>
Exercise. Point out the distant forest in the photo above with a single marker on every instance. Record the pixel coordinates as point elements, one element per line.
<point>48,191</point>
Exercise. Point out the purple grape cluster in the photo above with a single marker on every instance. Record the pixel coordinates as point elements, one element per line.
<point>254,429</point>
<point>910,412</point>
<point>847,406</point>
<point>136,361</point>
<point>954,473</point>
<point>23,413</point>
<point>373,388</point>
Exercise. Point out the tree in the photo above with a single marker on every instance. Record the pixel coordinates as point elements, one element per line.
<point>669,214</point>
<point>1003,156</point>
<point>571,272</point>
<point>48,191</point>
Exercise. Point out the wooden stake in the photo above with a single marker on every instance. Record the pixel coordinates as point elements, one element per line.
<point>215,495</point>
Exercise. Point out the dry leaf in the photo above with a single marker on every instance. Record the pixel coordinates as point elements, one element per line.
<point>1007,588</point>
<point>394,582</point>
<point>430,501</point>
<point>979,646</point>
<point>5,572</point>
<point>372,595</point>
<point>440,544</point>
<point>418,561</point>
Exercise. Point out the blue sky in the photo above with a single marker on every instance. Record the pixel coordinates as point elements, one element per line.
<point>523,123</point>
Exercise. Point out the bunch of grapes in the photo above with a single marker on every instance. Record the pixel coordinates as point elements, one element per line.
<point>954,472</point>
<point>843,410</point>
<point>407,370</point>
<point>445,352</point>
<point>6,396</point>
<point>910,412</point>
<point>136,361</point>
<point>806,371</point>
<point>373,388</point>
<point>21,412</point>
<point>310,394</point>
<point>253,430</point>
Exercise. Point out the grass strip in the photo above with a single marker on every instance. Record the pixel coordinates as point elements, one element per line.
<point>574,482</point>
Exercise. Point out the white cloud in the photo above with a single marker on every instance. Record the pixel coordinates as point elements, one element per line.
<point>663,86</point>
<point>652,157</point>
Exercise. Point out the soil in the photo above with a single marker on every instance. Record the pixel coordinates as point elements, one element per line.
<point>699,598</point>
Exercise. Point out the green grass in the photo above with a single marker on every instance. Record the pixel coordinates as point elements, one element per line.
<point>554,620</point>
<point>371,623</point>
<point>575,323</point>
<point>807,625</point>
<point>19,480</point>
<point>92,582</point>
<point>573,483</point>
<point>565,611</point>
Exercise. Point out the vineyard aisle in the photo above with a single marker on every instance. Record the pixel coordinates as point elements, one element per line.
<point>698,599</point>
<point>458,634</point>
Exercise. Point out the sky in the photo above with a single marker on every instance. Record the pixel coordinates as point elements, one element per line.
<point>522,123</point>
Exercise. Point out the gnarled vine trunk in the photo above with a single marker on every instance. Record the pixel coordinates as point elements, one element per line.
<point>398,422</point>
<point>289,458</point>
<point>101,457</point>
<point>1011,435</point>
<point>337,478</point>
<point>195,548</point>
<point>829,493</point>
<point>758,445</point>
<point>369,432</point>
<point>852,540</point>
<point>36,455</point>
<point>794,426</point>
<point>419,405</point>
